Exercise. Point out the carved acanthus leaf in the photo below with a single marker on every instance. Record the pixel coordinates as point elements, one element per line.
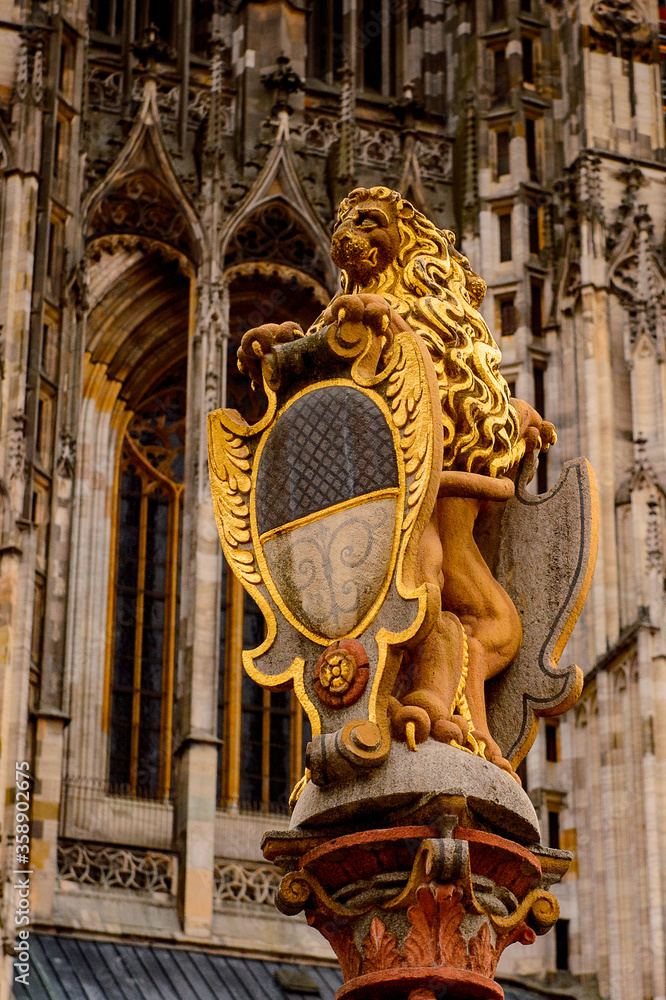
<point>380,948</point>
<point>406,396</point>
<point>230,470</point>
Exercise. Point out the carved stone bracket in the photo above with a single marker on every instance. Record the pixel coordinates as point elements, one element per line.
<point>418,908</point>
<point>622,18</point>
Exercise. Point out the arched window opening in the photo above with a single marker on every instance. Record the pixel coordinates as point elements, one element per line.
<point>146,594</point>
<point>201,32</point>
<point>275,233</point>
<point>107,16</point>
<point>266,723</point>
<point>326,41</point>
<point>222,694</point>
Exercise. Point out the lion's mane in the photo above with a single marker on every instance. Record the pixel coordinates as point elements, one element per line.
<point>435,290</point>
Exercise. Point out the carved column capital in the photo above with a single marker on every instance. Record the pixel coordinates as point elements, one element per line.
<point>410,912</point>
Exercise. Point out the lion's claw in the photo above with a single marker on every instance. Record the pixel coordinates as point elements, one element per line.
<point>260,341</point>
<point>372,311</point>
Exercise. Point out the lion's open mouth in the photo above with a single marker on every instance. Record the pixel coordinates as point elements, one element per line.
<point>370,257</point>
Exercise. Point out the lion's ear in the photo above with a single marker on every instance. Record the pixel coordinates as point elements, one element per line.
<point>405,210</point>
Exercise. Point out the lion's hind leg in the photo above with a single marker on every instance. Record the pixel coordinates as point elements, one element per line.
<point>436,667</point>
<point>475,696</point>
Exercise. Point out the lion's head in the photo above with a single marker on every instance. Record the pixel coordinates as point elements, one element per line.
<point>384,246</point>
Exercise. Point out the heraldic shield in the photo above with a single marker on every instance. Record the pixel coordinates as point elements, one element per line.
<point>321,506</point>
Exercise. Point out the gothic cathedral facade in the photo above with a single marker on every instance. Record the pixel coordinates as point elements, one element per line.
<point>169,174</point>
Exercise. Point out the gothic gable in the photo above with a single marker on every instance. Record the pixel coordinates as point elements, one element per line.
<point>141,195</point>
<point>276,220</point>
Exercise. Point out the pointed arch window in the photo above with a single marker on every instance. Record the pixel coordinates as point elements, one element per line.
<point>146,594</point>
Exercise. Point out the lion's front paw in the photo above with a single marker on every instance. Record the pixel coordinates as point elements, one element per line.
<point>539,437</point>
<point>548,435</point>
<point>410,725</point>
<point>371,310</point>
<point>492,753</point>
<point>259,342</point>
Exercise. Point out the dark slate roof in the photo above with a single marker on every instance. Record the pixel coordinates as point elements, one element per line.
<point>64,968</point>
<point>513,992</point>
<point>67,968</point>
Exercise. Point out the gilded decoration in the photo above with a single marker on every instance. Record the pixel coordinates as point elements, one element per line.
<point>381,501</point>
<point>304,552</point>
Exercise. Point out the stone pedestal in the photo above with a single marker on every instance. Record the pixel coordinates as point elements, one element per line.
<point>422,908</point>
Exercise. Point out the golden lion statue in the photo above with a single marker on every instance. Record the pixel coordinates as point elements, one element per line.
<point>399,269</point>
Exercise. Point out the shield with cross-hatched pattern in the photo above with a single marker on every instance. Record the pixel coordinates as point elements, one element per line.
<point>320,507</point>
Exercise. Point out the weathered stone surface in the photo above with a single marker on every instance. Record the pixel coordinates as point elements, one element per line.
<point>546,551</point>
<point>436,768</point>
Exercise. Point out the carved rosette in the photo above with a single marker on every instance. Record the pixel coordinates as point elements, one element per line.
<point>418,908</point>
<point>341,674</point>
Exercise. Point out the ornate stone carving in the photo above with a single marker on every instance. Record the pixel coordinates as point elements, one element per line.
<point>637,273</point>
<point>633,180</point>
<point>623,18</point>
<point>131,241</point>
<point>115,867</point>
<point>105,94</point>
<point>341,674</point>
<point>16,445</point>
<point>271,270</point>
<point>104,89</point>
<point>404,906</point>
<point>140,204</point>
<point>244,883</point>
<point>589,195</point>
<point>272,232</point>
<point>386,249</point>
<point>579,200</point>
<point>29,80</point>
<point>38,73</point>
<point>22,71</point>
<point>376,147</point>
<point>283,81</point>
<point>435,157</point>
<point>66,454</point>
<point>317,134</point>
